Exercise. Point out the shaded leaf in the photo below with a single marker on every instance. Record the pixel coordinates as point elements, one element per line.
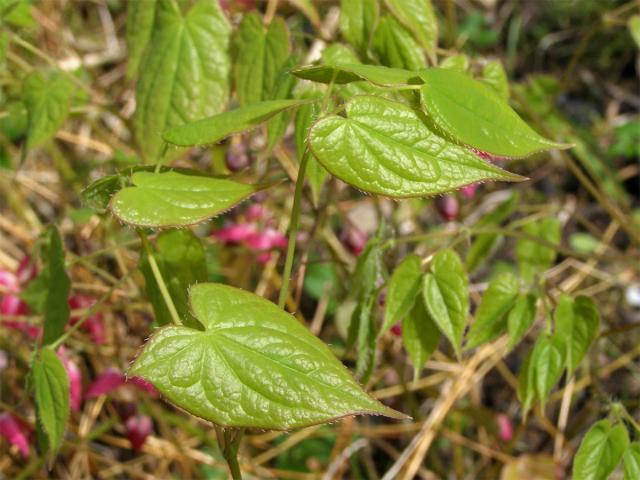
<point>631,459</point>
<point>459,62</point>
<point>520,318</point>
<point>342,73</point>
<point>600,451</point>
<point>420,335</point>
<point>549,362</point>
<point>402,291</point>
<point>493,74</point>
<point>305,117</point>
<point>358,19</point>
<point>577,322</point>
<point>526,390</point>
<point>418,16</point>
<point>140,17</point>
<point>395,46</point>
<point>533,257</point>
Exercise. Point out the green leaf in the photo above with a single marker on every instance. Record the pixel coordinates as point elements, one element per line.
<point>631,460</point>
<point>181,260</point>
<point>384,147</point>
<point>402,290</point>
<point>479,118</point>
<point>47,99</point>
<point>520,318</point>
<point>48,292</point>
<point>549,362</point>
<point>51,387</point>
<point>459,62</point>
<point>184,71</point>
<point>446,295</point>
<point>173,199</point>
<point>493,74</point>
<point>283,89</point>
<point>260,57</point>
<point>213,129</point>
<point>342,73</point>
<point>396,47</point>
<point>98,194</point>
<point>634,28</point>
<point>600,451</point>
<point>254,365</point>
<point>140,17</point>
<point>420,335</point>
<point>305,117</point>
<point>577,322</point>
<point>418,16</point>
<point>358,19</point>
<point>533,257</point>
<point>491,317</point>
<point>526,390</point>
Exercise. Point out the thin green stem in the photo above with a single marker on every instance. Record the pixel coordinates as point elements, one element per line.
<point>159,280</point>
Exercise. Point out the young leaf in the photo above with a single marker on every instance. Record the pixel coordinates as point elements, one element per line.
<point>51,387</point>
<point>533,257</point>
<point>480,118</point>
<point>577,322</point>
<point>384,147</point>
<point>140,17</point>
<point>493,74</point>
<point>491,317</point>
<point>520,318</point>
<point>173,199</point>
<point>47,100</point>
<point>261,55</point>
<point>184,71</point>
<point>48,292</point>
<point>418,16</point>
<point>459,62</point>
<point>254,365</point>
<point>526,383</point>
<point>213,129</point>
<point>341,73</point>
<point>396,47</point>
<point>420,335</point>
<point>631,462</point>
<point>600,451</point>
<point>358,18</point>
<point>402,291</point>
<point>549,362</point>
<point>446,295</point>
<point>181,260</point>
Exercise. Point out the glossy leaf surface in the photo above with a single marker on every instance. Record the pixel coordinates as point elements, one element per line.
<point>402,290</point>
<point>446,295</point>
<point>253,366</point>
<point>420,335</point>
<point>577,322</point>
<point>213,129</point>
<point>172,199</point>
<point>479,118</point>
<point>396,47</point>
<point>51,386</point>
<point>418,16</point>
<point>384,147</point>
<point>600,451</point>
<point>184,72</point>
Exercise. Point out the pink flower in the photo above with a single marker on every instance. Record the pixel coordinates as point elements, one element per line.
<point>15,432</point>
<point>27,270</point>
<point>138,429</point>
<point>469,191</point>
<point>448,207</point>
<point>94,324</point>
<point>106,382</point>
<point>75,379</point>
<point>144,385</point>
<point>255,212</point>
<point>32,331</point>
<point>505,428</point>
<point>396,330</point>
<point>10,302</point>
<point>268,239</point>
<point>354,239</point>
<point>234,234</point>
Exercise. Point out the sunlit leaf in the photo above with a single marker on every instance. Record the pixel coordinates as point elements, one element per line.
<point>358,18</point>
<point>577,322</point>
<point>631,460</point>
<point>140,17</point>
<point>396,47</point>
<point>600,451</point>
<point>418,16</point>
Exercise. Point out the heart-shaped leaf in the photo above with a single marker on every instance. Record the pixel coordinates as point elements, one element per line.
<point>479,117</point>
<point>340,73</point>
<point>577,322</point>
<point>402,291</point>
<point>213,129</point>
<point>600,451</point>
<point>172,199</point>
<point>254,365</point>
<point>384,147</point>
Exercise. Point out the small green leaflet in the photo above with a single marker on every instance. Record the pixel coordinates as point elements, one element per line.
<point>181,260</point>
<point>459,62</point>
<point>98,194</point>
<point>213,129</point>
<point>341,73</point>
<point>418,16</point>
<point>47,99</point>
<point>184,71</point>
<point>526,383</point>
<point>493,74</point>
<point>260,57</point>
<point>254,365</point>
<point>140,17</point>
<point>173,199</point>
<point>631,462</point>
<point>533,257</point>
<point>358,18</point>
<point>51,387</point>
<point>384,147</point>
<point>491,317</point>
<point>600,451</point>
<point>402,291</point>
<point>446,295</point>
<point>520,318</point>
<point>420,335</point>
<point>548,362</point>
<point>479,118</point>
<point>577,322</point>
<point>395,46</point>
<point>48,292</point>
<point>305,117</point>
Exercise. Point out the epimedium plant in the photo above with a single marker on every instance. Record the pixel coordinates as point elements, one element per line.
<point>379,112</point>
